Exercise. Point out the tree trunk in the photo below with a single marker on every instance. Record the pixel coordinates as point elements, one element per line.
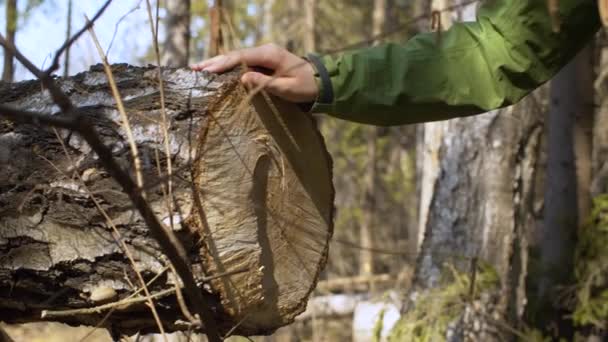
<point>366,256</point>
<point>428,149</point>
<point>68,34</point>
<point>177,41</point>
<point>583,132</point>
<point>11,28</point>
<point>310,9</point>
<point>252,193</point>
<point>216,41</point>
<point>269,21</point>
<point>567,198</point>
<point>480,200</point>
<point>366,262</point>
<point>599,183</point>
<point>484,201</point>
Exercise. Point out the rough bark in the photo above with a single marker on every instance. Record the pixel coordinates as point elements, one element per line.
<point>485,200</point>
<point>568,169</point>
<point>11,29</point>
<point>177,42</point>
<point>251,191</point>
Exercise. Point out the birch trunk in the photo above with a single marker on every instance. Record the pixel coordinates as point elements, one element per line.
<point>481,195</point>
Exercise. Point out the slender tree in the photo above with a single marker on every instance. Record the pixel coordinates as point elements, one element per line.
<point>216,42</point>
<point>310,7</point>
<point>68,34</point>
<point>366,262</point>
<point>177,42</point>
<point>11,29</point>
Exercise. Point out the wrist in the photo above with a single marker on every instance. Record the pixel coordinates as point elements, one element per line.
<point>325,94</point>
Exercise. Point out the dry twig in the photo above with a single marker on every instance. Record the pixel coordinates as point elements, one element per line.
<point>128,301</point>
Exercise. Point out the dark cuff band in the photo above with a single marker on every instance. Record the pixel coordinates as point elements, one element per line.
<point>327,91</point>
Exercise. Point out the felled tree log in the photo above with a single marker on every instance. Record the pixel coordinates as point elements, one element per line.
<point>251,193</point>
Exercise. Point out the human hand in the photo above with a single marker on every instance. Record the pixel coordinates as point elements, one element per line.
<point>293,77</point>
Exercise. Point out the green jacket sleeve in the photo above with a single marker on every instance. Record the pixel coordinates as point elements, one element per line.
<point>474,67</point>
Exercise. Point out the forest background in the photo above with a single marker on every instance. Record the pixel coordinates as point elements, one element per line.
<point>509,193</point>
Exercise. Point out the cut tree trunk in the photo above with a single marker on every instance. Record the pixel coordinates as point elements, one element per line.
<point>251,192</point>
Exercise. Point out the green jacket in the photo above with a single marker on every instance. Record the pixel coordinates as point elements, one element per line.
<point>474,67</point>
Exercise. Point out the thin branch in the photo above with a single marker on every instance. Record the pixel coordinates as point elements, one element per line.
<point>100,308</point>
<point>118,24</point>
<point>371,249</point>
<point>164,126</point>
<point>66,45</point>
<point>128,301</point>
<point>180,299</point>
<point>121,109</point>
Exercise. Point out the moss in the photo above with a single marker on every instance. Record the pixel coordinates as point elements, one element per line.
<point>429,318</point>
<point>379,326</point>
<point>591,268</point>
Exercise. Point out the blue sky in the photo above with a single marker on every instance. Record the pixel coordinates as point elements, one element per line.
<point>44,30</point>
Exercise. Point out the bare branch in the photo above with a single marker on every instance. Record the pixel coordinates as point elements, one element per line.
<point>128,301</point>
<point>66,45</point>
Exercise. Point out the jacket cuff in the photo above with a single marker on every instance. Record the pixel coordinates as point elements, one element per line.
<point>325,98</point>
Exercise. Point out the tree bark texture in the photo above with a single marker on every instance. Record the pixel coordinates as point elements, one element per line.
<point>251,192</point>
<point>568,178</point>
<point>177,42</point>
<point>486,200</point>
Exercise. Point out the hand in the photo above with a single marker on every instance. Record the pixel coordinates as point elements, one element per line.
<point>293,78</point>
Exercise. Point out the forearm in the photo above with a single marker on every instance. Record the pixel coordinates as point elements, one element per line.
<point>475,67</point>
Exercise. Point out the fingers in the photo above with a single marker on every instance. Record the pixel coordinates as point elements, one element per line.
<point>204,64</point>
<point>267,56</point>
<point>279,86</point>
